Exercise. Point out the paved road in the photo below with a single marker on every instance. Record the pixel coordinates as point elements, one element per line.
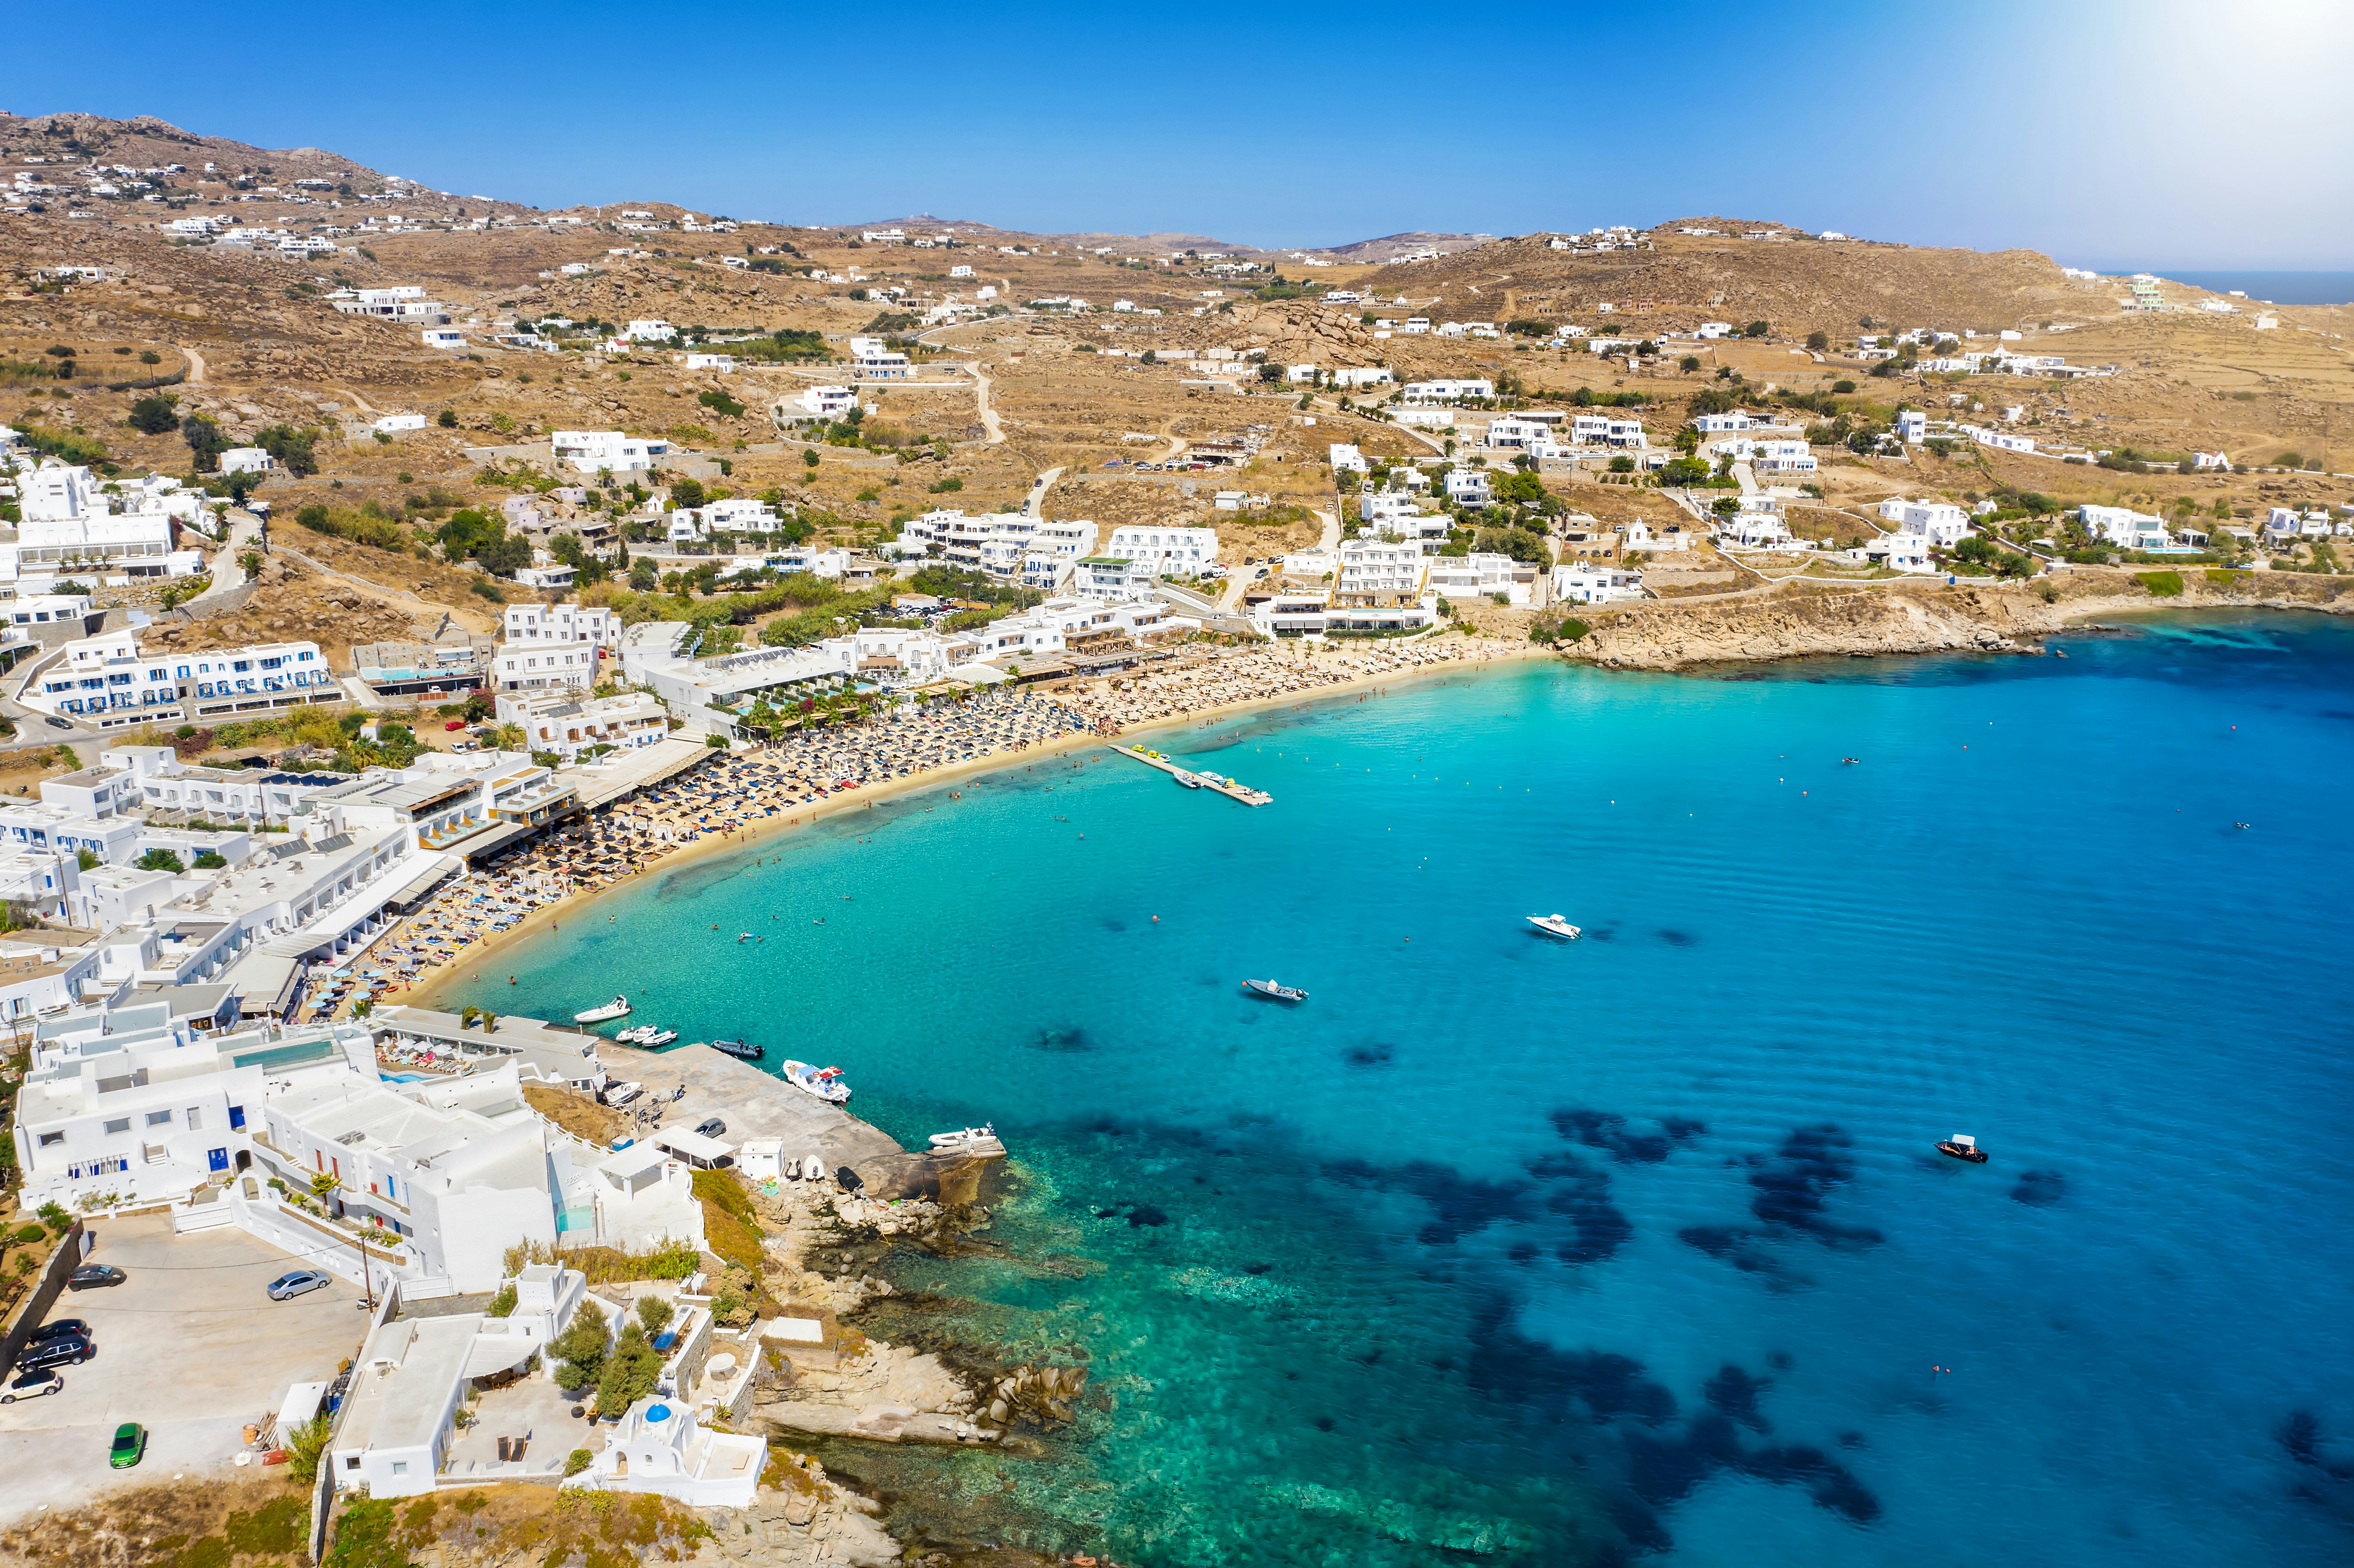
<point>1034,504</point>
<point>243,532</point>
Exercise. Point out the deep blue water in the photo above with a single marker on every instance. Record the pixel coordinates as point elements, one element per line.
<point>2278,288</point>
<point>1556,1253</point>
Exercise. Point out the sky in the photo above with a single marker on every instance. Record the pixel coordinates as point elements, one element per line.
<point>2167,132</point>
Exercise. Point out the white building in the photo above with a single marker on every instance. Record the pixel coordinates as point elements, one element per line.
<point>606,451</point>
<point>392,424</point>
<point>1586,582</point>
<point>246,460</point>
<point>1482,576</point>
<point>875,360</point>
<point>1447,390</point>
<point>1912,426</point>
<point>402,303</point>
<point>1372,572</point>
<point>108,681</point>
<point>1469,486</point>
<point>443,338</point>
<point>67,529</point>
<point>814,403</point>
<point>1941,522</point>
<point>568,726</point>
<point>540,667</point>
<point>654,331</point>
<point>1361,375</point>
<point>2125,527</point>
<point>1607,431</point>
<point>1061,623</point>
<point>660,1447</point>
<point>1164,552</point>
<point>1346,459</point>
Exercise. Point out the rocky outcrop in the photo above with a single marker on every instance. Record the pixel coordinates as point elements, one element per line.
<point>1806,620</point>
<point>806,1520</point>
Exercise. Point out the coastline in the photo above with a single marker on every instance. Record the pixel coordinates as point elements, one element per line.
<point>434,987</point>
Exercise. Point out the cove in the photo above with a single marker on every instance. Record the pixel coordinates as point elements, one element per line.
<point>1510,1249</point>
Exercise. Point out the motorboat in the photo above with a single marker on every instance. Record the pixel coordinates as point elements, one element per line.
<point>617,1008</point>
<point>826,1083</point>
<point>632,1035</point>
<point>1962,1146</point>
<point>1190,780</point>
<point>617,1095</point>
<point>965,1138</point>
<point>657,1038</point>
<point>1555,925</point>
<point>742,1049</point>
<point>1278,991</point>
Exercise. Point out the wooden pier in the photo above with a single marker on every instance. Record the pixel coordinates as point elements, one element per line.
<point>1226,787</point>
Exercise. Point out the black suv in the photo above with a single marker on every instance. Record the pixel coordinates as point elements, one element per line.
<point>58,1330</point>
<point>54,1353</point>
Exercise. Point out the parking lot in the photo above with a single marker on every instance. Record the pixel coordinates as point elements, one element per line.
<point>189,1345</point>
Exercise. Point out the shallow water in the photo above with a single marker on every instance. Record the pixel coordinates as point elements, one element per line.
<point>1542,1251</point>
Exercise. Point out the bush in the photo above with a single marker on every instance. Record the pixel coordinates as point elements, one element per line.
<point>1843,385</point>
<point>446,418</point>
<point>154,415</point>
<point>303,1446</point>
<point>945,486</point>
<point>579,1351</point>
<point>161,859</point>
<point>210,860</point>
<point>503,1305</point>
<point>654,1311</point>
<point>719,403</point>
<point>577,1460</point>
<point>630,1373</point>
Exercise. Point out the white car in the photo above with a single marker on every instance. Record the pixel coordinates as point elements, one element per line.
<point>32,1386</point>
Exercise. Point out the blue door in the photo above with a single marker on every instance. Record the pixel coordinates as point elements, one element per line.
<point>217,1160</point>
<point>235,1118</point>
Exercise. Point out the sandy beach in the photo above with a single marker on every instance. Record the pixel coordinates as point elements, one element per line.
<point>743,795</point>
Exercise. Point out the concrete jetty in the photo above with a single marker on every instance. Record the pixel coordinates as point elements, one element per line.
<point>1226,787</point>
<point>753,1104</point>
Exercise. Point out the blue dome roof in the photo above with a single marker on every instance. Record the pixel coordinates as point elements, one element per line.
<point>658,1412</point>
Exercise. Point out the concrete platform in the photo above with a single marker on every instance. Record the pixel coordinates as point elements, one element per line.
<point>754,1104</point>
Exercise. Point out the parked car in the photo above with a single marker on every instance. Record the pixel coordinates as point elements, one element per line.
<point>130,1445</point>
<point>92,1276</point>
<point>32,1386</point>
<point>711,1127</point>
<point>286,1286</point>
<point>56,723</point>
<point>455,724</point>
<point>57,1353</point>
<point>58,1330</point>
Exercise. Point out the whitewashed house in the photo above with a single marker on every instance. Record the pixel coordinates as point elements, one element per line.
<point>1165,552</point>
<point>604,451</point>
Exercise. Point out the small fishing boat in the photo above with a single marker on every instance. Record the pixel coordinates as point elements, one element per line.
<point>617,1008</point>
<point>1962,1146</point>
<point>965,1138</point>
<point>1555,925</point>
<point>1278,991</point>
<point>742,1049</point>
<point>826,1083</point>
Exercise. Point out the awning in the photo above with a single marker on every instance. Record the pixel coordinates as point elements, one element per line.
<point>695,1149</point>
<point>439,869</point>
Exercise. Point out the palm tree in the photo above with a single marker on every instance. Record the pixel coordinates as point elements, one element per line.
<point>510,736</point>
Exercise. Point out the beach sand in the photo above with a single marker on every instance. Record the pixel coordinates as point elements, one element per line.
<point>475,967</point>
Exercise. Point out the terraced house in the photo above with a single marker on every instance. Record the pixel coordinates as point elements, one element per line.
<point>108,681</point>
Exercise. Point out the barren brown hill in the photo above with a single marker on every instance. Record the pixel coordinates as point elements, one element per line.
<point>1799,285</point>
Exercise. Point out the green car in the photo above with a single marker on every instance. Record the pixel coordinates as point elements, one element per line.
<point>130,1445</point>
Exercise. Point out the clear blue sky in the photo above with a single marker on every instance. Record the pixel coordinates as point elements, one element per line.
<point>2163,133</point>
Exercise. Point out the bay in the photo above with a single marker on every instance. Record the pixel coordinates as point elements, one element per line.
<point>1532,1251</point>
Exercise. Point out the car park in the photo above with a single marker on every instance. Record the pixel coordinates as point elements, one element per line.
<point>93,1277</point>
<point>57,1353</point>
<point>130,1445</point>
<point>32,1386</point>
<point>286,1286</point>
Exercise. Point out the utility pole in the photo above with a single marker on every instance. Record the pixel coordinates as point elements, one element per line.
<point>367,1281</point>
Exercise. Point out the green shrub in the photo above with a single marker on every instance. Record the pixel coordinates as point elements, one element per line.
<point>577,1460</point>
<point>503,1305</point>
<point>274,1529</point>
<point>654,1311</point>
<point>2162,585</point>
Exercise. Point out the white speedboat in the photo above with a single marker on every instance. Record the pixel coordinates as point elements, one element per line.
<point>965,1138</point>
<point>1555,925</point>
<point>632,1036</point>
<point>617,1008</point>
<point>826,1083</point>
<point>1278,991</point>
<point>655,1039</point>
<point>1191,782</point>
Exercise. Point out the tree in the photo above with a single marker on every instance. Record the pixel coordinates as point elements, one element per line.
<point>305,1445</point>
<point>1818,341</point>
<point>687,492</point>
<point>510,736</point>
<point>1758,328</point>
<point>810,457</point>
<point>580,1351</point>
<point>643,577</point>
<point>655,1313</point>
<point>504,555</point>
<point>630,1371</point>
<point>1687,364</point>
<point>87,859</point>
<point>446,418</point>
<point>154,415</point>
<point>161,859</point>
<point>291,448</point>
<point>205,440</point>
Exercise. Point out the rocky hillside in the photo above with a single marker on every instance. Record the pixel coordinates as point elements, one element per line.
<point>1799,285</point>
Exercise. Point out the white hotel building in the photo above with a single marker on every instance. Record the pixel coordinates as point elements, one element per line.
<point>108,681</point>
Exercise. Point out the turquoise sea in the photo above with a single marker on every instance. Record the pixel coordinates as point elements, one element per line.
<point>1507,1249</point>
